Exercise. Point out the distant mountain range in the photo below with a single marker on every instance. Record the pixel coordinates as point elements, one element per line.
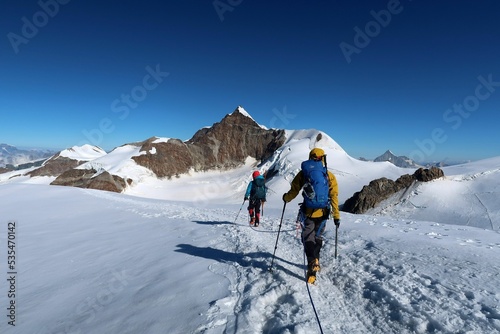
<point>400,161</point>
<point>405,162</point>
<point>14,158</point>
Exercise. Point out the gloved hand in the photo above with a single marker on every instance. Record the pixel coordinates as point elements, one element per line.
<point>337,222</point>
<point>284,200</point>
<point>245,199</point>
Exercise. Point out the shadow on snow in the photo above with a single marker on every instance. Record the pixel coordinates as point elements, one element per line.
<point>208,222</point>
<point>259,260</point>
<point>257,229</point>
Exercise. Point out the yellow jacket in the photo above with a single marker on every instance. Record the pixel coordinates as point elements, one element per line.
<point>297,184</point>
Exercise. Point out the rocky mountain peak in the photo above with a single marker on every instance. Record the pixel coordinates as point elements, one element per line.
<point>225,144</point>
<point>238,118</point>
<point>400,161</point>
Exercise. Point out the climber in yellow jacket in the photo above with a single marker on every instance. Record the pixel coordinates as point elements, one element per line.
<point>314,218</point>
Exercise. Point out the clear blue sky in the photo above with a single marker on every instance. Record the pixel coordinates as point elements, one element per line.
<point>421,78</point>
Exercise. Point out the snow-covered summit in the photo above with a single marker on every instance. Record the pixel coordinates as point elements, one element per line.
<point>83,153</point>
<point>245,113</point>
<point>119,162</point>
<point>351,173</point>
<point>242,111</point>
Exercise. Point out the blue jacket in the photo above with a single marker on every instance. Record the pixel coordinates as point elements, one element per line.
<point>249,187</point>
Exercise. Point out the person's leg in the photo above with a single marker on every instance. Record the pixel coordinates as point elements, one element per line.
<point>257,212</point>
<point>319,230</point>
<point>251,212</point>
<point>309,239</point>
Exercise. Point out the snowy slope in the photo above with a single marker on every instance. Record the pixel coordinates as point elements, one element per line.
<point>83,153</point>
<point>119,162</point>
<point>351,173</point>
<point>98,262</point>
<point>468,195</point>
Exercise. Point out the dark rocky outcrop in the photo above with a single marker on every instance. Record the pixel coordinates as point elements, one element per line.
<point>224,145</point>
<point>87,178</point>
<point>4,170</point>
<point>55,166</point>
<point>75,178</point>
<point>381,189</point>
<point>426,175</point>
<point>169,158</point>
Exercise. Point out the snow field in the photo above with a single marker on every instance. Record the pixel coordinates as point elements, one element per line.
<point>375,286</point>
<point>98,262</point>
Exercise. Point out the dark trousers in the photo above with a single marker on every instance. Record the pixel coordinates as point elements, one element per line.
<point>312,237</point>
<point>254,209</point>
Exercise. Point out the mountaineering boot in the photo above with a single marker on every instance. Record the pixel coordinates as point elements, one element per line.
<point>257,219</point>
<point>252,221</point>
<point>314,265</point>
<point>312,268</point>
<point>311,277</point>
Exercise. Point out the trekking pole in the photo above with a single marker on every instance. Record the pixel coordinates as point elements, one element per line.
<point>336,239</point>
<point>241,207</point>
<point>279,229</point>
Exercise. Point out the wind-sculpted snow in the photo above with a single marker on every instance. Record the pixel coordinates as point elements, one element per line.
<point>99,262</point>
